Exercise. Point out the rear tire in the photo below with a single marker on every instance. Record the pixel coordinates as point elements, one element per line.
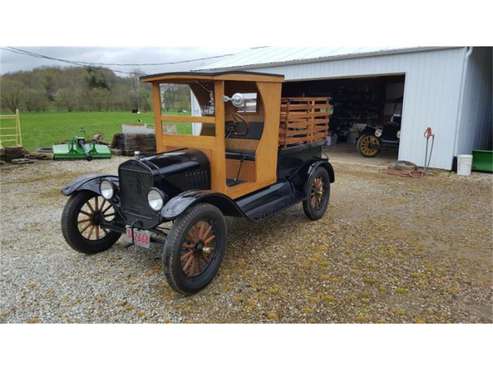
<point>317,190</point>
<point>76,231</point>
<point>194,248</point>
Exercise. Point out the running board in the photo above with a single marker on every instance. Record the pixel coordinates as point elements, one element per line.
<point>268,201</point>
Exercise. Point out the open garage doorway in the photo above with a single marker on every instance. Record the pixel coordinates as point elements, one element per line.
<point>366,116</point>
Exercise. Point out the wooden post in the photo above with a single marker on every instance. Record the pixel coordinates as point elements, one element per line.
<point>312,122</point>
<point>18,124</point>
<point>218,165</point>
<point>286,125</point>
<point>158,128</point>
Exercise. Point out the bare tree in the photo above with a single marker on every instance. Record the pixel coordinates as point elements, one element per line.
<point>10,94</point>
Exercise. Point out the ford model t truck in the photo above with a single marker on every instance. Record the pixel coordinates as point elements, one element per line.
<point>252,153</point>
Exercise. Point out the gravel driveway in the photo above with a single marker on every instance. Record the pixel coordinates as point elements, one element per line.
<point>389,249</point>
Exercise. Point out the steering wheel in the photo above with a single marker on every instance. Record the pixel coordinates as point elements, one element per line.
<point>239,127</point>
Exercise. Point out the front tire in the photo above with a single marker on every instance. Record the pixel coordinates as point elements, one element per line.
<point>369,145</point>
<point>317,190</point>
<point>194,248</point>
<point>81,219</point>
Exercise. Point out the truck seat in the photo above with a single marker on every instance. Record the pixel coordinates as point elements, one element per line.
<point>241,156</point>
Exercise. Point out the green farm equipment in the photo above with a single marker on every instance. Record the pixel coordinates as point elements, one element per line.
<point>78,148</point>
<point>482,160</point>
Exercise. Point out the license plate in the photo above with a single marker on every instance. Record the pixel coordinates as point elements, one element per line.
<point>141,238</point>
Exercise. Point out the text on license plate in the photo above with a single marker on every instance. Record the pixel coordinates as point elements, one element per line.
<point>142,238</point>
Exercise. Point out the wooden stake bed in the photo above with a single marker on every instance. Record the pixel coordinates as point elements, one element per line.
<point>303,120</point>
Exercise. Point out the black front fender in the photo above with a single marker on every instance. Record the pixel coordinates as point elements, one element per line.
<point>88,182</point>
<point>368,130</point>
<point>180,203</point>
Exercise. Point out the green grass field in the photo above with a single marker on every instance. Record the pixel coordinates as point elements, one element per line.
<point>46,129</point>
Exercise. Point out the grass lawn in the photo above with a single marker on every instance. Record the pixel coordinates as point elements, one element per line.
<point>45,129</point>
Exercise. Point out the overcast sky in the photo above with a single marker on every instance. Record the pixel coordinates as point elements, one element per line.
<point>10,62</point>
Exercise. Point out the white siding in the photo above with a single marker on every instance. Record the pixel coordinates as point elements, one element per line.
<point>475,121</point>
<point>431,94</point>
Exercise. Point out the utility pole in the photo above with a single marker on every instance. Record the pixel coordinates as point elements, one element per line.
<point>136,75</point>
<point>138,92</point>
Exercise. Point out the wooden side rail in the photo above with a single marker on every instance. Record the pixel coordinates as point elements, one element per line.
<point>188,119</point>
<point>204,142</point>
<point>303,120</point>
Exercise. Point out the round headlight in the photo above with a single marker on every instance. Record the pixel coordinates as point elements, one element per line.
<point>107,190</point>
<point>378,132</point>
<point>155,199</point>
<point>398,134</point>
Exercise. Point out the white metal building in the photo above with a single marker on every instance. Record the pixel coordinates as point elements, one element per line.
<point>448,89</point>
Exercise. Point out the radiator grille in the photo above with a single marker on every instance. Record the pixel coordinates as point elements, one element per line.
<point>135,183</point>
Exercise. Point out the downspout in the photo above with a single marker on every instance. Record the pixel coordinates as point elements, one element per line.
<point>465,63</point>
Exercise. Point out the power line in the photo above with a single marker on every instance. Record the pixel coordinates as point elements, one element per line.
<point>83,63</point>
<point>165,63</point>
<point>41,56</point>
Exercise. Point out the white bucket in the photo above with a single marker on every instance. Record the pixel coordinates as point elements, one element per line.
<point>464,164</point>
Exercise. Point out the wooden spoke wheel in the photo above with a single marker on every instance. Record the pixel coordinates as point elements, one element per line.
<point>92,215</point>
<point>317,190</point>
<point>83,223</point>
<point>194,248</point>
<point>198,248</point>
<point>369,145</point>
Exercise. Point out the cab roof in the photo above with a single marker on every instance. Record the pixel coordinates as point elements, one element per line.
<point>213,76</point>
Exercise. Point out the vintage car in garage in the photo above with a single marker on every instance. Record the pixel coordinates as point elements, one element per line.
<point>374,137</point>
<point>250,154</point>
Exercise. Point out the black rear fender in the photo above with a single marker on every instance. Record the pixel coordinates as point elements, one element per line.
<point>90,183</point>
<point>299,178</point>
<point>324,163</point>
<point>180,203</point>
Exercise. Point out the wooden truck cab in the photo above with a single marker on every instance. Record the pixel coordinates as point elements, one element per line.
<point>239,165</point>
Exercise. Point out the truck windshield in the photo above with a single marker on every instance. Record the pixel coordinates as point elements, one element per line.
<point>181,100</point>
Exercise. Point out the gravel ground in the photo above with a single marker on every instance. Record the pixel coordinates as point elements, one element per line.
<point>389,249</point>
